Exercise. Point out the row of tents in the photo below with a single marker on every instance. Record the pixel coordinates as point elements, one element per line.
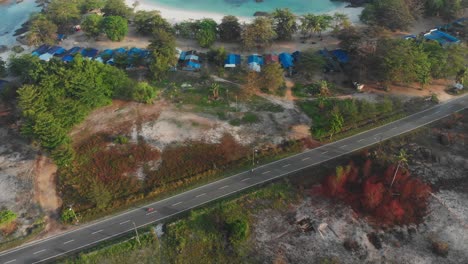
<point>443,34</point>
<point>108,56</point>
<point>287,60</point>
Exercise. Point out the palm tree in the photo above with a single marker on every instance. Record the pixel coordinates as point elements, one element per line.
<point>402,160</point>
<point>341,21</point>
<point>215,90</point>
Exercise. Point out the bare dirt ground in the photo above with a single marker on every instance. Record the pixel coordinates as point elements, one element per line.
<point>436,87</point>
<point>45,191</point>
<point>439,156</point>
<point>17,163</point>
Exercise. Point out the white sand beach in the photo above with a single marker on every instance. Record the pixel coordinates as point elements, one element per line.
<point>174,15</point>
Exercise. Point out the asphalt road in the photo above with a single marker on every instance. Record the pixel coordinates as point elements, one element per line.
<point>48,249</point>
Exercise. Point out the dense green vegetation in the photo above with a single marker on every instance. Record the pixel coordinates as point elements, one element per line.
<point>115,27</point>
<point>217,234</point>
<point>406,61</point>
<point>331,116</point>
<point>3,68</point>
<point>6,217</point>
<point>400,14</point>
<point>56,96</point>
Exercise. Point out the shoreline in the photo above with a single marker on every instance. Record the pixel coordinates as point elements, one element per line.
<point>175,15</point>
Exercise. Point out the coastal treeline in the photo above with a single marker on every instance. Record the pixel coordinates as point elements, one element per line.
<point>400,14</point>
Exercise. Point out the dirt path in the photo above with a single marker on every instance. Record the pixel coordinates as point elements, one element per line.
<point>289,86</point>
<point>45,191</point>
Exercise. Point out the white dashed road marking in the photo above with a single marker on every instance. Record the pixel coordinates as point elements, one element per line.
<point>37,252</point>
<point>95,232</point>
<point>284,166</point>
<point>245,179</point>
<point>124,222</point>
<point>200,195</point>
<point>176,203</point>
<point>69,241</point>
<point>225,186</point>
<point>305,158</point>
<point>10,261</point>
<point>266,172</point>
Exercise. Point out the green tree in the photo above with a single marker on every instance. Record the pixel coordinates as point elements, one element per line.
<point>92,25</point>
<point>260,33</point>
<point>392,14</point>
<point>206,33</point>
<point>147,21</point>
<point>284,23</point>
<point>336,122</point>
<point>272,77</point>
<point>115,27</point>
<point>88,5</point>
<point>340,21</point>
<point>163,54</point>
<point>63,12</point>
<point>144,93</point>
<point>230,29</point>
<point>3,68</point>
<point>309,63</point>
<point>41,31</point>
<point>100,195</point>
<point>117,8</point>
<point>6,217</point>
<point>217,55</point>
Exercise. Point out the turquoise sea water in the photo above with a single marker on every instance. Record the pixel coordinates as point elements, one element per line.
<point>12,16</point>
<point>247,8</point>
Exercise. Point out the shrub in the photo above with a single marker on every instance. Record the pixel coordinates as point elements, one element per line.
<point>67,216</point>
<point>250,118</point>
<point>144,93</point>
<point>6,217</point>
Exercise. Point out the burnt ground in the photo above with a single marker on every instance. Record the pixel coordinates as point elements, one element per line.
<point>322,230</point>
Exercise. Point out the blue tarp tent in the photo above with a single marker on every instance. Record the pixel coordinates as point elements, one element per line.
<point>41,50</point>
<point>3,84</point>
<point>191,66</point>
<point>441,37</point>
<point>67,58</point>
<point>296,56</point>
<point>286,60</point>
<point>89,53</point>
<point>60,52</point>
<point>120,51</point>
<point>341,55</point>
<point>73,50</point>
<point>255,58</point>
<point>232,60</point>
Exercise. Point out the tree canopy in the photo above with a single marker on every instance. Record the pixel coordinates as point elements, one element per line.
<point>392,14</point>
<point>260,33</point>
<point>115,27</point>
<point>117,8</point>
<point>63,12</point>
<point>284,23</point>
<point>162,53</point>
<point>55,96</point>
<point>206,33</point>
<point>92,25</point>
<point>148,21</point>
<point>41,31</point>
<point>229,29</point>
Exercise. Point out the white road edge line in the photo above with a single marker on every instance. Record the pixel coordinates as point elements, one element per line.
<point>225,186</point>
<point>245,179</point>
<point>124,222</point>
<point>10,261</point>
<point>305,158</point>
<point>224,195</point>
<point>69,241</point>
<point>153,212</point>
<point>37,252</point>
<point>200,195</point>
<point>266,172</point>
<point>176,203</point>
<point>95,232</point>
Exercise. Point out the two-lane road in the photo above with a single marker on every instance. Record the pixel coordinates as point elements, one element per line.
<point>89,235</point>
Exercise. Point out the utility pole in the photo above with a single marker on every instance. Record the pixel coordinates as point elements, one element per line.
<point>74,214</point>
<point>237,110</point>
<point>254,150</point>
<point>136,232</point>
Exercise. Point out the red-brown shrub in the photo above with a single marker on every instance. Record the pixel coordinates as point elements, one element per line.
<point>403,203</point>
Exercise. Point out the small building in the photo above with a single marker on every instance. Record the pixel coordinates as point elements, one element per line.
<point>271,58</point>
<point>232,61</point>
<point>255,62</point>
<point>286,60</point>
